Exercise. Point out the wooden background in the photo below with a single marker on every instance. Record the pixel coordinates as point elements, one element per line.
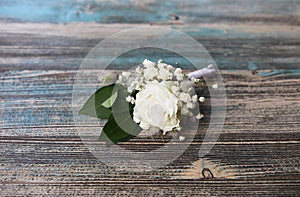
<point>255,44</point>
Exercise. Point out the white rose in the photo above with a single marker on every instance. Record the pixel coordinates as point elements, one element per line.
<point>156,106</point>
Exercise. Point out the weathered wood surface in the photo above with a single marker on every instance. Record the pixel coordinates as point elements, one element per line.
<point>256,47</point>
<point>152,11</point>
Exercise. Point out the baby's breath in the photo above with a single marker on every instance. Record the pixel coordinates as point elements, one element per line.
<point>173,78</point>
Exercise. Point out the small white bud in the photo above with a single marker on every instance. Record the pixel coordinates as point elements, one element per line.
<point>139,70</point>
<point>178,70</point>
<point>195,98</point>
<point>178,74</point>
<point>170,68</point>
<point>181,138</point>
<point>129,89</point>
<point>215,86</point>
<point>132,100</point>
<point>201,99</point>
<point>148,63</point>
<point>199,116</point>
<point>196,80</point>
<point>125,74</point>
<point>211,66</point>
<point>129,99</point>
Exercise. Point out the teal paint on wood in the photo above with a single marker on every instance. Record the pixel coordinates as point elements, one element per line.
<point>279,72</point>
<point>66,11</point>
<point>136,11</point>
<point>46,11</point>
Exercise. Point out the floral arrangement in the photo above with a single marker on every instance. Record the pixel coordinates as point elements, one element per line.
<point>154,97</point>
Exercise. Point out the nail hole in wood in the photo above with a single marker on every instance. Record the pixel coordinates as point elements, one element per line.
<point>207,174</point>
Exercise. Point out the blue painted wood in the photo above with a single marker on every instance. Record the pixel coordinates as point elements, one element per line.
<point>280,72</point>
<point>152,11</point>
<point>65,11</point>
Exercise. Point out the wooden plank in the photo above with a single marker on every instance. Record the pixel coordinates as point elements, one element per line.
<point>208,188</point>
<point>256,46</point>
<point>234,47</point>
<point>42,152</point>
<point>136,11</point>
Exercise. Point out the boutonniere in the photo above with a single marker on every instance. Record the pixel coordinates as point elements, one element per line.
<point>152,97</point>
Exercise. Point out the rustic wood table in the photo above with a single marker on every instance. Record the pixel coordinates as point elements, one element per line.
<point>256,45</point>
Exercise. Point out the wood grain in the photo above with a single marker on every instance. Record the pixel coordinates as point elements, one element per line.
<point>152,11</point>
<point>41,149</point>
<point>255,45</point>
<point>233,47</point>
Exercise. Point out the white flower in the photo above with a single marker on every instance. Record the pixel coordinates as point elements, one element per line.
<point>178,74</point>
<point>170,68</point>
<point>128,99</point>
<point>150,72</point>
<point>215,86</point>
<point>199,116</point>
<point>181,138</point>
<point>162,66</point>
<point>163,72</point>
<point>201,99</point>
<point>178,70</point>
<point>195,80</point>
<point>148,63</point>
<point>126,74</point>
<point>195,98</point>
<point>173,81</point>
<point>156,106</point>
<point>139,70</point>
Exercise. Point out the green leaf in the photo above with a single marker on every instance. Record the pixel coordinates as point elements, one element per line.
<point>120,122</point>
<point>96,105</point>
<point>110,101</point>
<point>114,130</point>
<point>121,105</point>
